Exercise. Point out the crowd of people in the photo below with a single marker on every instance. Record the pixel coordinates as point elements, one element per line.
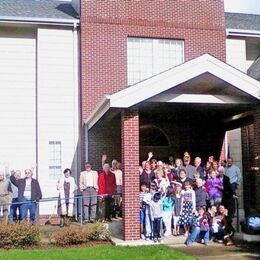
<point>177,198</point>
<point>101,194</point>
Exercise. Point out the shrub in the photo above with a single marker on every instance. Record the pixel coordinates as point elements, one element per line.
<point>97,231</point>
<point>75,235</point>
<point>19,235</point>
<point>68,236</point>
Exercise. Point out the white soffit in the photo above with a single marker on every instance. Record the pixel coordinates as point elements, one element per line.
<point>188,98</point>
<point>173,77</point>
<point>198,98</point>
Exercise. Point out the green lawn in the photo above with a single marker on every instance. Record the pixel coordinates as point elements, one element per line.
<point>96,252</point>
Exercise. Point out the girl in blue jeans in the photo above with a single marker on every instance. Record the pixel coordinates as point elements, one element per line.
<point>200,228</point>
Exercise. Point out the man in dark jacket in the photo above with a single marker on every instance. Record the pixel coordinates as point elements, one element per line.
<point>29,192</point>
<point>201,194</point>
<point>228,198</point>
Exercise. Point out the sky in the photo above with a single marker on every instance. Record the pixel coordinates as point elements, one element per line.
<point>243,6</point>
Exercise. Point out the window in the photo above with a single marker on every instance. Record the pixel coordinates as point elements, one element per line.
<point>147,57</point>
<point>152,136</point>
<point>55,159</point>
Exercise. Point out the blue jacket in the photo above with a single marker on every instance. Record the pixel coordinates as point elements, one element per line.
<point>168,204</point>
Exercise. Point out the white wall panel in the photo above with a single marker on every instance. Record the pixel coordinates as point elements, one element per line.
<point>236,53</point>
<point>57,104</point>
<point>17,97</point>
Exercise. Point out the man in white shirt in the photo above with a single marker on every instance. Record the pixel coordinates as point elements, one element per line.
<point>88,184</point>
<point>234,174</point>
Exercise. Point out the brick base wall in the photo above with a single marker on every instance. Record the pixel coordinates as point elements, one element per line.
<point>53,220</point>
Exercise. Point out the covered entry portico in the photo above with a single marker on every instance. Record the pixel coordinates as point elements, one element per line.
<point>192,104</point>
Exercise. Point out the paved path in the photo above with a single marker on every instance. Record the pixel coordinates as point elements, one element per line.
<point>240,250</point>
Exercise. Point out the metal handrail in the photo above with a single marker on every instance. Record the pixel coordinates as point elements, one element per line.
<point>56,198</point>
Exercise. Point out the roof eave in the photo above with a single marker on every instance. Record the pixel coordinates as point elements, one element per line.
<point>98,112</point>
<point>242,33</point>
<point>39,20</point>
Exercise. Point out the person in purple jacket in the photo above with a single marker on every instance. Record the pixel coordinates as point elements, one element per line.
<point>215,189</point>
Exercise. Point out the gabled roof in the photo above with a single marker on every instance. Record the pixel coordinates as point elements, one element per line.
<point>242,21</point>
<point>254,70</point>
<point>36,9</point>
<point>149,89</point>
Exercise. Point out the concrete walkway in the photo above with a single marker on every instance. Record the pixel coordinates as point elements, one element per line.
<point>218,251</point>
<point>241,249</point>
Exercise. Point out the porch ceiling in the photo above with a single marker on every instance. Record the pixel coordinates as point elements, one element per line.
<point>203,80</point>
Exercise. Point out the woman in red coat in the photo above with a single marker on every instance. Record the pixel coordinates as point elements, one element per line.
<point>106,188</point>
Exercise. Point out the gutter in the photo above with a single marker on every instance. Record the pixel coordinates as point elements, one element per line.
<point>243,33</point>
<point>39,20</point>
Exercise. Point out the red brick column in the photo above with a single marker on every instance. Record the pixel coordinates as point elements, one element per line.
<point>130,161</point>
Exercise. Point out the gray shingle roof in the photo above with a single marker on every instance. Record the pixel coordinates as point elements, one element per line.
<point>37,8</point>
<point>254,70</point>
<point>242,21</point>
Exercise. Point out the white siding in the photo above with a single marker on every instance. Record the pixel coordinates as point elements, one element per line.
<point>57,104</point>
<point>236,56</point>
<point>17,92</point>
<point>236,53</point>
<point>235,144</point>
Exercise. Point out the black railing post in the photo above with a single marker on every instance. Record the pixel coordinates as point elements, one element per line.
<point>237,208</point>
<point>81,211</point>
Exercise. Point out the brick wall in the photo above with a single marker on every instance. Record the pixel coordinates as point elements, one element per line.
<point>247,133</point>
<point>105,26</point>
<point>257,162</point>
<point>251,178</point>
<point>104,139</point>
<point>48,219</point>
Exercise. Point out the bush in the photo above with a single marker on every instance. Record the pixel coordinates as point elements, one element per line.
<point>68,236</point>
<point>19,235</point>
<point>97,231</point>
<point>75,235</point>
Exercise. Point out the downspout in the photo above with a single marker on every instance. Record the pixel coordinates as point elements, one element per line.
<point>76,113</point>
<point>76,96</point>
<point>36,110</point>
